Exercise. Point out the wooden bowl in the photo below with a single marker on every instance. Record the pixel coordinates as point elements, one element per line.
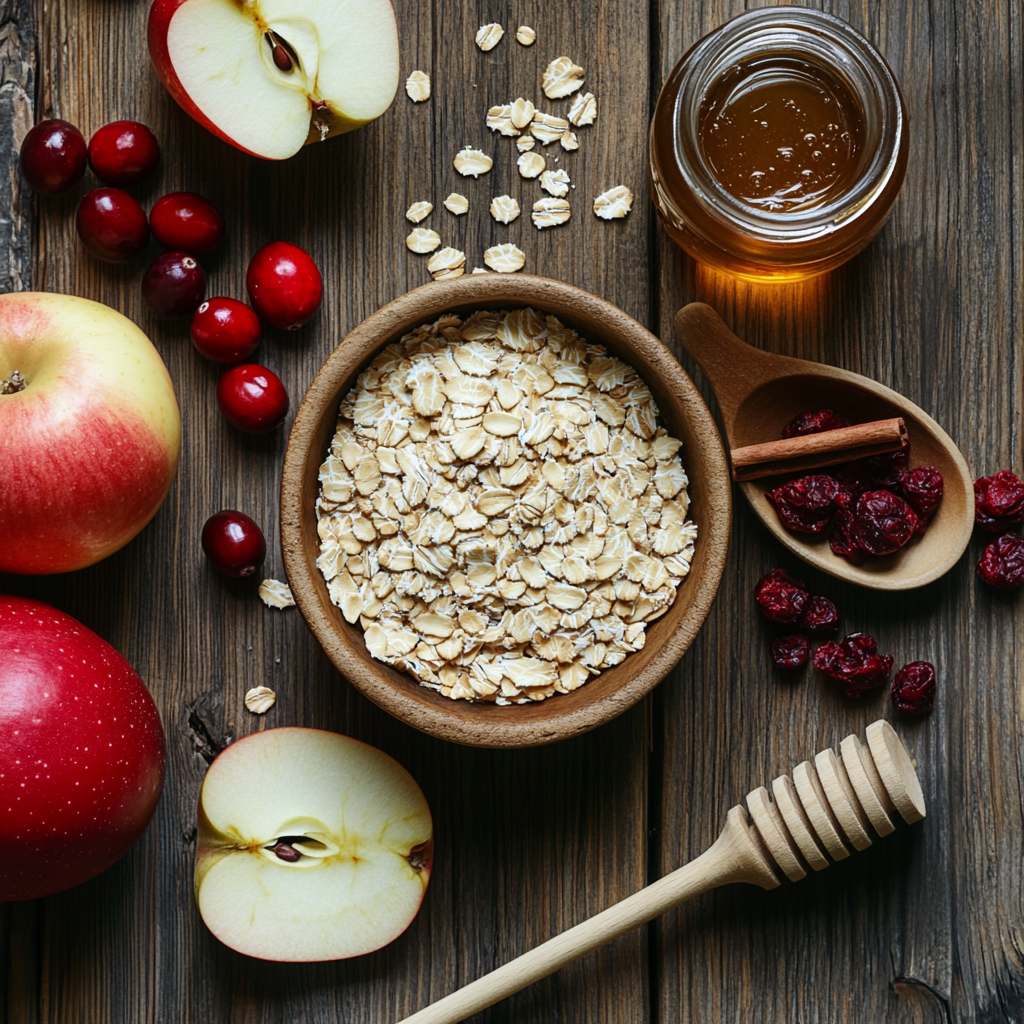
<point>682,411</point>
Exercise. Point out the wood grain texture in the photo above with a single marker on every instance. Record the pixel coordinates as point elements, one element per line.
<point>926,926</point>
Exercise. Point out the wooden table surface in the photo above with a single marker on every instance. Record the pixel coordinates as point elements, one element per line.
<point>926,926</point>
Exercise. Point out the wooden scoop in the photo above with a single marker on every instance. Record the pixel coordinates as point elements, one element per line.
<point>836,801</point>
<point>759,393</point>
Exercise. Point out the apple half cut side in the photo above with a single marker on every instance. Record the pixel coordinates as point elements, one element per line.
<point>270,76</point>
<point>310,846</point>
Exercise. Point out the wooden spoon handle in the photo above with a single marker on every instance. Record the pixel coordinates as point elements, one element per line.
<point>734,857</point>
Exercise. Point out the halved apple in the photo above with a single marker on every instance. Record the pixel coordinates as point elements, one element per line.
<point>310,846</point>
<point>270,76</point>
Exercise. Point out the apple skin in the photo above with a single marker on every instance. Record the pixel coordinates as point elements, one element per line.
<point>83,752</point>
<point>89,448</point>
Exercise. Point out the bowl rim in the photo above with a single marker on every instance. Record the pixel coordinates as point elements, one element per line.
<point>356,349</point>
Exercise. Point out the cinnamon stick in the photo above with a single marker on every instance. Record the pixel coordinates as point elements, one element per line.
<point>812,451</point>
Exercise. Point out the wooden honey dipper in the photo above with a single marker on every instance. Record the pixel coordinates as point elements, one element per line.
<point>825,805</point>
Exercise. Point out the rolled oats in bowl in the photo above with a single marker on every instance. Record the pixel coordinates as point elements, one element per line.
<point>500,510</point>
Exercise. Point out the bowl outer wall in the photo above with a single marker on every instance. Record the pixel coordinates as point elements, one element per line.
<point>685,416</point>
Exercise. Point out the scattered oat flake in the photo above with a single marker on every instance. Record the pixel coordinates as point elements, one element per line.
<point>472,162</point>
<point>569,141</point>
<point>614,204</point>
<point>422,240</point>
<point>525,142</point>
<point>531,164</point>
<point>521,112</point>
<point>583,110</point>
<point>561,78</point>
<point>505,258</point>
<point>456,203</point>
<point>446,264</point>
<point>504,209</point>
<point>556,182</point>
<point>488,36</point>
<point>276,594</point>
<point>499,119</point>
<point>550,211</point>
<point>526,35</point>
<point>260,699</point>
<point>418,211</point>
<point>417,85</point>
<point>548,128</point>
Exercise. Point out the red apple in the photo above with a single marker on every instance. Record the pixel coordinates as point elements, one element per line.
<point>83,752</point>
<point>89,432</point>
<point>270,76</point>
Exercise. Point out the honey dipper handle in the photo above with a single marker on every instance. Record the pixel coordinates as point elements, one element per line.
<point>734,857</point>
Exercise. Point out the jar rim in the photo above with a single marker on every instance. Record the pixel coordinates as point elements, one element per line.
<point>799,30</point>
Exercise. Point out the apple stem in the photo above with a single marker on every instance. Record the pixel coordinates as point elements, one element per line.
<point>13,384</point>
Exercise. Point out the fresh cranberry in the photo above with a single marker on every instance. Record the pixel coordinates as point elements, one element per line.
<point>124,153</point>
<point>1002,562</point>
<point>855,662</point>
<point>780,597</point>
<point>284,285</point>
<point>814,421</point>
<point>923,488</point>
<point>53,157</point>
<point>913,688</point>
<point>821,617</point>
<point>806,505</point>
<point>252,398</point>
<point>174,284</point>
<point>233,543</point>
<point>225,330</point>
<point>999,501</point>
<point>888,470</point>
<point>843,538</point>
<point>187,222</point>
<point>790,651</point>
<point>883,522</point>
<point>112,225</point>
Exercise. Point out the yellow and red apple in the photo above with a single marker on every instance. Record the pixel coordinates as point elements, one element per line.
<point>90,432</point>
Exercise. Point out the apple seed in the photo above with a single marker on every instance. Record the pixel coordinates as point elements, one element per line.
<point>282,53</point>
<point>285,852</point>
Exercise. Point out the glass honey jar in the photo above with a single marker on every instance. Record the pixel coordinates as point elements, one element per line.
<point>778,145</point>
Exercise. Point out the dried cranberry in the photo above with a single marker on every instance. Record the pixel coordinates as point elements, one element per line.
<point>883,522</point>
<point>821,617</point>
<point>999,501</point>
<point>922,488</point>
<point>1002,562</point>
<point>843,539</point>
<point>790,651</point>
<point>806,505</point>
<point>913,689</point>
<point>814,421</point>
<point>855,662</point>
<point>888,470</point>
<point>780,597</point>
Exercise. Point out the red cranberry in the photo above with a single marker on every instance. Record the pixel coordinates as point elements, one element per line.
<point>174,284</point>
<point>913,688</point>
<point>284,285</point>
<point>124,153</point>
<point>999,501</point>
<point>821,617</point>
<point>814,421</point>
<point>53,157</point>
<point>852,483</point>
<point>888,470</point>
<point>252,398</point>
<point>923,488</point>
<point>883,522</point>
<point>780,597</point>
<point>843,538</point>
<point>187,222</point>
<point>233,543</point>
<point>855,662</point>
<point>806,505</point>
<point>790,651</point>
<point>1002,562</point>
<point>225,330</point>
<point>112,225</point>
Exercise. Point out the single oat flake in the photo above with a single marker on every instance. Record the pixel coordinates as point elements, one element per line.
<point>446,264</point>
<point>561,78</point>
<point>569,141</point>
<point>614,204</point>
<point>550,211</point>
<point>276,594</point>
<point>525,142</point>
<point>417,85</point>
<point>583,110</point>
<point>457,204</point>
<point>504,258</point>
<point>504,209</point>
<point>499,119</point>
<point>260,699</point>
<point>555,182</point>
<point>472,162</point>
<point>521,112</point>
<point>488,36</point>
<point>526,35</point>
<point>422,240</point>
<point>418,211</point>
<point>548,128</point>
<point>531,164</point>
